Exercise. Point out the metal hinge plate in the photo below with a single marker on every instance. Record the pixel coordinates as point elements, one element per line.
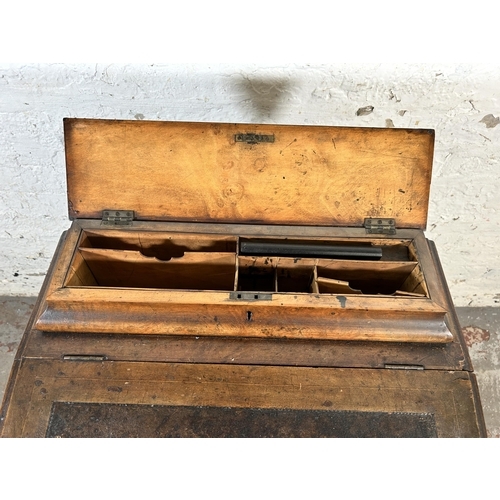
<point>117,217</point>
<point>403,367</point>
<point>84,357</point>
<point>380,226</point>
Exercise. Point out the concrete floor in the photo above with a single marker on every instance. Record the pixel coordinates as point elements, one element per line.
<point>481,327</point>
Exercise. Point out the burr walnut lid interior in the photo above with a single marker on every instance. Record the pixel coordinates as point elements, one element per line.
<point>234,173</point>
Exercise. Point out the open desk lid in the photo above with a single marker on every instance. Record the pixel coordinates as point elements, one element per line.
<point>248,173</point>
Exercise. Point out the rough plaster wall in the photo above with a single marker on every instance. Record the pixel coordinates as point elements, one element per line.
<point>461,102</point>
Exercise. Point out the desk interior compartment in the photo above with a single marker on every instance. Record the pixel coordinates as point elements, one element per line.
<point>154,260</point>
<point>176,261</point>
<point>172,283</point>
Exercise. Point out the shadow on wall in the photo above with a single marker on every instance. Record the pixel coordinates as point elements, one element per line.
<point>263,93</point>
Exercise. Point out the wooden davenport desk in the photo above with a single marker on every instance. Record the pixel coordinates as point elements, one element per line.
<point>238,280</point>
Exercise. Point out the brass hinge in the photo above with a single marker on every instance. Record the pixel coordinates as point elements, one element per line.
<point>84,357</point>
<point>380,226</point>
<point>117,217</point>
<point>403,367</point>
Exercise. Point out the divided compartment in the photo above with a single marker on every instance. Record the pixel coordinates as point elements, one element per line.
<point>326,276</point>
<point>389,269</point>
<point>154,260</point>
<point>165,283</point>
<point>174,261</point>
<point>130,269</point>
<point>275,274</point>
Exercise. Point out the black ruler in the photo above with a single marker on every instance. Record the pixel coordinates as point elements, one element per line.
<point>292,249</point>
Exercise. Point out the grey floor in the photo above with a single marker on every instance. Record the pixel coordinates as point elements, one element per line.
<point>481,327</point>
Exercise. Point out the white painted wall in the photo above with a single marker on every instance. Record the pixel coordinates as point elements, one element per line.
<point>461,102</point>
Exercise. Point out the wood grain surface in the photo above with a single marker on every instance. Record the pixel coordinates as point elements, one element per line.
<point>309,175</point>
<point>448,396</point>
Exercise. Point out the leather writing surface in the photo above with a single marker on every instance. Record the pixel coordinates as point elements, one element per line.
<point>103,420</point>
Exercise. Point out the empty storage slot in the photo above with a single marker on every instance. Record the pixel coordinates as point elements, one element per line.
<point>388,278</point>
<point>296,279</point>
<point>163,246</point>
<point>294,274</point>
<point>131,269</point>
<point>256,274</point>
